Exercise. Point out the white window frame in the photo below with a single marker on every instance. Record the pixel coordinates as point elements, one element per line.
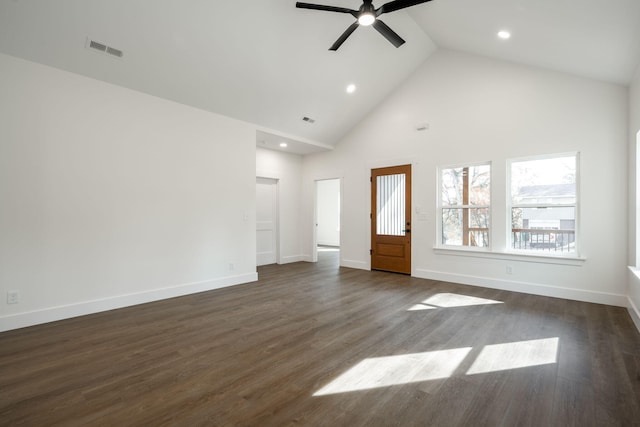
<point>441,207</point>
<point>510,205</point>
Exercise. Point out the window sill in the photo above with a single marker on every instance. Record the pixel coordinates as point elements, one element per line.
<point>512,256</point>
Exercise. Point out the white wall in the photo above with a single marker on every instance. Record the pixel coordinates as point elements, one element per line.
<point>328,212</point>
<point>485,110</point>
<point>287,169</point>
<point>109,197</point>
<point>634,134</point>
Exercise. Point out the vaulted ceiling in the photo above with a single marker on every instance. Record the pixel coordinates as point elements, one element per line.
<point>268,63</point>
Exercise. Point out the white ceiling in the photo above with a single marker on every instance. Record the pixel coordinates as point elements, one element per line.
<point>599,39</point>
<point>266,62</point>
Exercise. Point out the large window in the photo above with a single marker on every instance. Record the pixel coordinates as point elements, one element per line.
<point>543,204</point>
<point>465,199</point>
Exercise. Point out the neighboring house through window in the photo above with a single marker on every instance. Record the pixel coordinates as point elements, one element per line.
<point>544,201</point>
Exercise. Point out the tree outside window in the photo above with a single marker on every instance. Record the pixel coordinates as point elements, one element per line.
<point>465,199</point>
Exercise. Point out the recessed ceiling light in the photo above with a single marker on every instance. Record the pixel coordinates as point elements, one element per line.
<point>351,88</point>
<point>283,144</point>
<point>504,34</point>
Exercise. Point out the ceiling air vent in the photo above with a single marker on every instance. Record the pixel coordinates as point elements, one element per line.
<point>308,119</point>
<point>103,48</point>
<point>114,52</point>
<point>97,46</point>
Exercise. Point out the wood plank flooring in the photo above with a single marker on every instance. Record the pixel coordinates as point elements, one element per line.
<point>255,355</point>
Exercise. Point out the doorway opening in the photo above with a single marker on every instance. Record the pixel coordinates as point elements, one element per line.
<point>327,224</point>
<point>637,189</point>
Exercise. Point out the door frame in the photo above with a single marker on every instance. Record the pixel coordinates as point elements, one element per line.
<point>408,212</point>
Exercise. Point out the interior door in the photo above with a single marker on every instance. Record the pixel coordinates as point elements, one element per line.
<point>391,219</point>
<point>266,221</point>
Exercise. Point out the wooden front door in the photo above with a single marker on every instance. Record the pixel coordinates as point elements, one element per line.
<point>391,219</point>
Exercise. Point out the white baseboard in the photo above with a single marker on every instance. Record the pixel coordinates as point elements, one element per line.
<point>527,288</point>
<point>634,313</point>
<point>293,258</point>
<point>31,318</point>
<point>349,263</point>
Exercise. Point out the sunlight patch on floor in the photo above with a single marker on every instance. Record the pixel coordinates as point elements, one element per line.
<point>401,369</point>
<point>448,300</point>
<point>393,370</point>
<point>419,307</point>
<point>521,354</point>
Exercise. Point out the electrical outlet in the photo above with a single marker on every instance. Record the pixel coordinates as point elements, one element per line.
<point>509,269</point>
<point>231,266</point>
<point>13,297</point>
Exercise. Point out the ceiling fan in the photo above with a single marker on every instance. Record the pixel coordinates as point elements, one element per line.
<point>367,15</point>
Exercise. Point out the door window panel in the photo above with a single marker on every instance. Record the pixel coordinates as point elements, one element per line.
<point>390,210</point>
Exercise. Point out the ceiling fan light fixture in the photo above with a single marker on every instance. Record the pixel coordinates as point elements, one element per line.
<point>366,19</point>
<point>366,15</point>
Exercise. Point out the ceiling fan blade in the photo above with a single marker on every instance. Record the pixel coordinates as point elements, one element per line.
<point>301,5</point>
<point>397,5</point>
<point>344,36</point>
<point>388,33</point>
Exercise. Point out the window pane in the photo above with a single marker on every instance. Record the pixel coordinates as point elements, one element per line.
<point>544,229</point>
<point>466,186</point>
<point>390,212</point>
<point>470,231</point>
<point>544,181</point>
<point>452,186</point>
<point>479,185</point>
<point>479,218</point>
<point>452,227</point>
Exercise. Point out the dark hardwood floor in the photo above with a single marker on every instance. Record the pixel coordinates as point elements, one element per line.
<point>314,344</point>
